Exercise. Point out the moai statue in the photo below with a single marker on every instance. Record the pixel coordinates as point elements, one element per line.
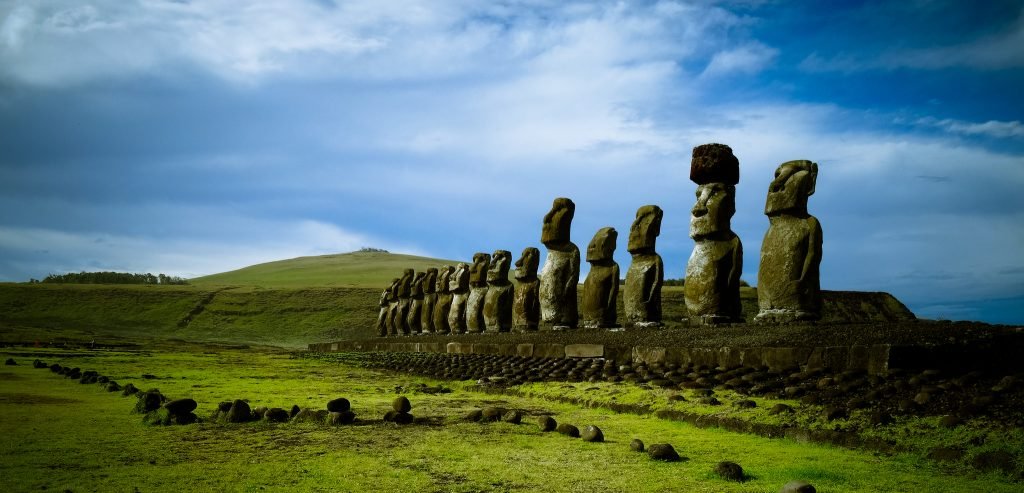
<point>444,300</point>
<point>404,302</point>
<point>385,309</point>
<point>429,300</point>
<point>498,302</point>
<point>642,293</point>
<point>475,322</point>
<point>601,289</point>
<point>788,282</point>
<point>393,326</point>
<point>526,302</point>
<point>712,289</point>
<point>416,306</point>
<point>458,284</point>
<point>561,272</point>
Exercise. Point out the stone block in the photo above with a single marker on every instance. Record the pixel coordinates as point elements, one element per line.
<point>549,350</point>
<point>453,348</point>
<point>648,354</point>
<point>584,351</point>
<point>878,359</point>
<point>524,350</point>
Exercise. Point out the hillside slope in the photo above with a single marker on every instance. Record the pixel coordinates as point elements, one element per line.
<point>353,270</point>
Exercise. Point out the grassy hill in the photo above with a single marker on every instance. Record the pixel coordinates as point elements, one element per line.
<point>352,270</point>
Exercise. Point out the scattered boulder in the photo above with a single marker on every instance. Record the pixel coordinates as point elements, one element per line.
<point>664,452</point>
<point>401,404</point>
<point>149,401</point>
<point>238,412</point>
<point>568,430</point>
<point>56,368</point>
<point>129,389</point>
<point>993,460</point>
<point>833,413</point>
<point>181,406</point>
<point>341,418</point>
<point>295,410</point>
<point>547,423</point>
<point>492,413</point>
<point>402,418</point>
<point>306,415</point>
<point>112,386</point>
<point>276,415</point>
<point>710,401</point>
<point>514,417</point>
<point>592,433</point>
<point>745,404</point>
<point>729,471</point>
<point>260,411</point>
<point>102,379</point>
<point>880,418</point>
<point>636,445</point>
<point>475,415</point>
<point>950,421</point>
<point>11,362</point>
<point>798,486</point>
<point>781,408</point>
<point>38,364</point>
<point>339,405</point>
<point>224,407</point>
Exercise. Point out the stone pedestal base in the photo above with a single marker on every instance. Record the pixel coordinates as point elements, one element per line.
<point>784,316</point>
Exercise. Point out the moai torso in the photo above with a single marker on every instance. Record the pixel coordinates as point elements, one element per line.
<point>444,300</point>
<point>788,278</point>
<point>458,284</point>
<point>646,274</point>
<point>413,320</point>
<point>526,299</point>
<point>393,325</point>
<point>561,272</point>
<point>404,302</point>
<point>477,292</point>
<point>601,288</point>
<point>385,308</point>
<point>498,301</point>
<point>429,300</point>
<point>712,288</point>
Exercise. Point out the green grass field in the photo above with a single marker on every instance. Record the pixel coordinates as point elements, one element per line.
<point>61,435</point>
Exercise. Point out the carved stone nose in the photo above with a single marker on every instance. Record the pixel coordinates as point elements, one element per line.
<point>699,211</point>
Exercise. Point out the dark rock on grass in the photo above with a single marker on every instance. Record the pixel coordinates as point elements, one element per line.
<point>341,418</point>
<point>401,404</point>
<point>745,404</point>
<point>547,423</point>
<point>833,413</point>
<point>38,364</point>
<point>710,401</point>
<point>259,412</point>
<point>163,417</point>
<point>112,386</point>
<point>568,430</point>
<point>492,414</point>
<point>276,415</point>
<point>946,454</point>
<point>11,362</point>
<point>306,415</point>
<point>636,445</point>
<point>147,376</point>
<point>295,410</point>
<point>729,471</point>
<point>798,486</point>
<point>339,405</point>
<point>224,406</point>
<point>949,421</point>
<point>880,418</point>
<point>906,406</point>
<point>149,401</point>
<point>389,417</point>
<point>922,398</point>
<point>664,452</point>
<point>238,412</point>
<point>129,389</point>
<point>181,406</point>
<point>780,409</point>
<point>102,379</point>
<point>993,460</point>
<point>402,418</point>
<point>514,417</point>
<point>56,368</point>
<point>475,415</point>
<point>592,433</point>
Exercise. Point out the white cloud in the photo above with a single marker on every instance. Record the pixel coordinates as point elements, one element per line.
<point>991,128</point>
<point>747,59</point>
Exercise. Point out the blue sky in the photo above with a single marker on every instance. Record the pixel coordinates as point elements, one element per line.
<point>193,137</point>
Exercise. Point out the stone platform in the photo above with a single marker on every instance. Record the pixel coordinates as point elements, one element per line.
<point>874,348</point>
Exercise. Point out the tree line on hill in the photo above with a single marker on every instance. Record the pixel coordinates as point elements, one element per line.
<point>111,278</point>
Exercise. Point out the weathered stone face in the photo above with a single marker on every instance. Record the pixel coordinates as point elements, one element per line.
<point>429,301</point>
<point>430,283</point>
<point>526,266</point>
<point>497,272</point>
<point>415,315</point>
<point>714,163</point>
<point>417,285</point>
<point>794,182</point>
<point>458,281</point>
<point>459,285</point>
<point>643,234</point>
<point>405,284</point>
<point>602,246</point>
<point>712,214</point>
<point>602,284</point>
<point>478,271</point>
<point>443,277</point>
<point>558,222</point>
<point>642,293</point>
<point>788,277</point>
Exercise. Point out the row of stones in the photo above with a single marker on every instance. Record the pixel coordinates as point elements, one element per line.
<point>928,392</point>
<point>478,298</point>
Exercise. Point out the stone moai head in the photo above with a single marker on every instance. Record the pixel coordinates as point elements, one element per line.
<point>716,171</point>
<point>459,280</point>
<point>602,247</point>
<point>526,266</point>
<point>558,222</point>
<point>430,282</point>
<point>501,260</point>
<point>393,289</point>
<point>794,182</point>
<point>478,271</point>
<point>417,283</point>
<point>442,279</point>
<point>645,229</point>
